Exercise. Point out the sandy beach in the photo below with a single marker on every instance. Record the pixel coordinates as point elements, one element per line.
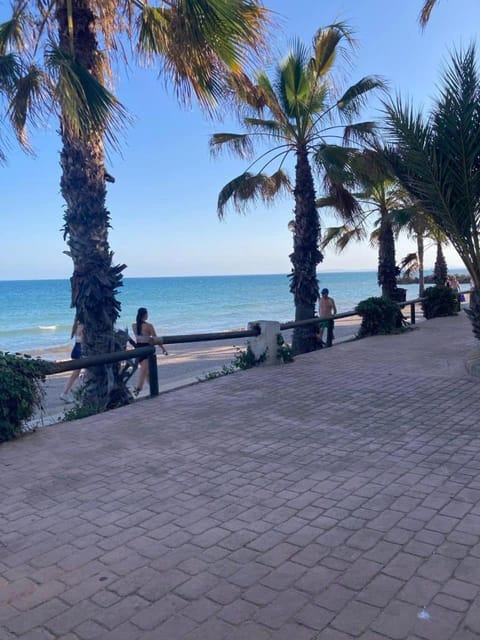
<point>184,365</point>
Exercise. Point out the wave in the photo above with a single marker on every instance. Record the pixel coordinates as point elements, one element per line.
<point>36,330</point>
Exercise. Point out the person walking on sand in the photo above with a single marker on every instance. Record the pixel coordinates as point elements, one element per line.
<point>326,308</point>
<point>77,335</point>
<point>145,334</point>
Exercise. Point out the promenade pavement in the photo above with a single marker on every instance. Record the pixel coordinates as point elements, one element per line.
<point>332,498</point>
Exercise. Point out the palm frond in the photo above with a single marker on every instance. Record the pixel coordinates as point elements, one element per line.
<point>371,167</point>
<point>87,106</point>
<point>28,101</point>
<point>272,100</point>
<point>360,132</point>
<point>355,96</point>
<point>327,44</point>
<point>199,43</point>
<point>270,127</point>
<point>345,204</point>
<point>245,92</point>
<point>335,162</point>
<point>10,71</point>
<point>248,188</point>
<point>409,264</point>
<point>341,236</point>
<point>236,143</point>
<point>426,11</point>
<point>13,33</point>
<point>292,83</point>
<point>325,202</point>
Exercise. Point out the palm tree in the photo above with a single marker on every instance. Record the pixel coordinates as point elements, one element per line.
<point>422,228</point>
<point>295,113</point>
<point>382,197</point>
<point>10,75</point>
<point>198,44</point>
<point>438,161</point>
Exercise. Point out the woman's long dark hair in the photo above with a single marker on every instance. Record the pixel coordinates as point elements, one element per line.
<point>78,320</point>
<point>141,313</point>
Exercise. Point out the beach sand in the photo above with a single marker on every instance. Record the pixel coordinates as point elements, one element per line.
<point>184,365</point>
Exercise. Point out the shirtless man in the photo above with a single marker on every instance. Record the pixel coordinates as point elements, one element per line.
<point>326,307</point>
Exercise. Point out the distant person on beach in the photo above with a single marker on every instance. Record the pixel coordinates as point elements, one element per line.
<point>326,307</point>
<point>145,334</point>
<point>77,335</point>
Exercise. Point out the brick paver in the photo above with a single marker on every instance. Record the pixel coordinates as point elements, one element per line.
<point>337,497</point>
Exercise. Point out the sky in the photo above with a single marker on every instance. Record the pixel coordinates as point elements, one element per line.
<point>163,203</point>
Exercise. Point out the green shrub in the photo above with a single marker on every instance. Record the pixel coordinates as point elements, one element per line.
<point>21,391</point>
<point>284,351</point>
<point>379,316</point>
<point>80,410</point>
<point>246,359</point>
<point>439,301</point>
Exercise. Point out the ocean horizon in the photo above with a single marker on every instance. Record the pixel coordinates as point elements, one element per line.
<point>36,314</point>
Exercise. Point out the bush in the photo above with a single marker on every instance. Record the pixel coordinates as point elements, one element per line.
<point>439,301</point>
<point>379,316</point>
<point>21,391</point>
<point>284,350</point>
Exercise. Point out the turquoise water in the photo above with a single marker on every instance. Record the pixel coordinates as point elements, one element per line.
<point>36,314</point>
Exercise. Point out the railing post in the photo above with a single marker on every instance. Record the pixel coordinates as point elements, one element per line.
<point>329,333</point>
<point>265,344</point>
<point>412,313</point>
<point>153,374</point>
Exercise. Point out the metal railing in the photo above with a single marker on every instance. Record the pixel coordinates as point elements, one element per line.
<point>149,351</point>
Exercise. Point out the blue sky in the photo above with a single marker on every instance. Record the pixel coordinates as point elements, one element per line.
<point>163,204</point>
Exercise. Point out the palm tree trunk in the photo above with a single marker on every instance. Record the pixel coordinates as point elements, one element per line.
<point>475,311</point>
<point>440,270</point>
<point>95,280</point>
<point>306,255</point>
<point>421,269</point>
<point>387,269</point>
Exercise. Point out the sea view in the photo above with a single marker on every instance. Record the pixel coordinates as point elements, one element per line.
<point>36,314</point>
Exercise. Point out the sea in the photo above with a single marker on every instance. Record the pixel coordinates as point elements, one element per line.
<point>36,314</point>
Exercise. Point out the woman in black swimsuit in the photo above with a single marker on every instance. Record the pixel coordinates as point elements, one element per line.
<point>144,334</point>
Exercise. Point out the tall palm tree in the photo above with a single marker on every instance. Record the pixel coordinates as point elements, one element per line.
<point>437,159</point>
<point>296,113</point>
<point>381,196</point>
<point>422,228</point>
<point>197,43</point>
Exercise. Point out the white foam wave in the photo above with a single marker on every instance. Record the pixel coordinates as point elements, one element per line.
<point>50,327</point>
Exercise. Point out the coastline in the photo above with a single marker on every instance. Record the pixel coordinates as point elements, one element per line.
<point>36,315</point>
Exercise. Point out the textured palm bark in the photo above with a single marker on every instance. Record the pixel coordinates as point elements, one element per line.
<point>306,255</point>
<point>440,270</point>
<point>421,270</point>
<point>475,309</point>
<point>95,280</point>
<point>387,269</point>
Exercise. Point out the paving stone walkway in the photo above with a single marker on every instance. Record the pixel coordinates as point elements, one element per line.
<point>336,497</point>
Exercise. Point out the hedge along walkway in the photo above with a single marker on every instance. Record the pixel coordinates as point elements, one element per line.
<point>332,498</point>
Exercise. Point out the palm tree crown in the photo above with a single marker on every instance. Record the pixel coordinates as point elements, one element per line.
<point>438,160</point>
